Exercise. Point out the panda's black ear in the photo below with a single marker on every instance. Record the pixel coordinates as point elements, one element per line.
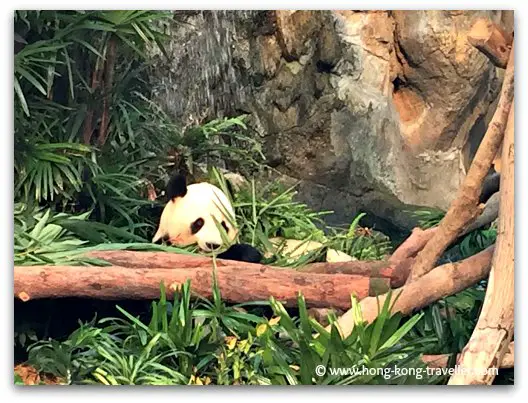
<point>177,186</point>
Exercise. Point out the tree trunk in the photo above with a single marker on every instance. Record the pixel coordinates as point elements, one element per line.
<point>494,330</point>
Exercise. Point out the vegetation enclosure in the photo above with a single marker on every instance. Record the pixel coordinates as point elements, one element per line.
<point>368,157</point>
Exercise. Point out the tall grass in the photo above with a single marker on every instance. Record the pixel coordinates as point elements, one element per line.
<point>270,210</point>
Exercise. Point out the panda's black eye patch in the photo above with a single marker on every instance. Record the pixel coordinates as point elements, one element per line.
<point>225,227</point>
<point>197,225</point>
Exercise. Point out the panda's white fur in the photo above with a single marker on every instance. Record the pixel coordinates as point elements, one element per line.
<point>202,200</point>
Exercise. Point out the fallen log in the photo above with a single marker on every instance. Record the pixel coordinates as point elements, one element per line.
<point>162,260</point>
<point>465,207</point>
<point>441,360</point>
<point>494,330</point>
<point>396,268</point>
<point>251,284</point>
<point>491,40</point>
<point>440,282</point>
<point>396,272</point>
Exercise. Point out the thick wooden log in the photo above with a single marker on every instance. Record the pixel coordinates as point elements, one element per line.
<point>395,272</point>
<point>491,40</point>
<point>494,330</point>
<point>161,260</point>
<point>236,285</point>
<point>440,282</point>
<point>464,208</point>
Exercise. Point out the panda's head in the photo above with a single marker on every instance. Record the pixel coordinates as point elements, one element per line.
<point>194,215</point>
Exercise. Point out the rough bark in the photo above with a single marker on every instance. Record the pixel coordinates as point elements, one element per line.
<point>491,40</point>
<point>161,260</point>
<point>236,285</point>
<point>441,360</point>
<point>441,282</point>
<point>464,208</point>
<point>395,272</point>
<point>489,213</point>
<point>494,331</point>
<point>413,244</point>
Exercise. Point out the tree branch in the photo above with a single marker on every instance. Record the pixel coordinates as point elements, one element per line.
<point>395,272</point>
<point>440,282</point>
<point>464,208</point>
<point>489,213</point>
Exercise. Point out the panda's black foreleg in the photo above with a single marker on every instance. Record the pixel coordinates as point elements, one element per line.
<point>241,252</point>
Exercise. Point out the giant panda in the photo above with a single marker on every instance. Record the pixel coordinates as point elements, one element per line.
<point>192,215</point>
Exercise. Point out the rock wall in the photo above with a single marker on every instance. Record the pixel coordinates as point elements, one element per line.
<point>372,110</point>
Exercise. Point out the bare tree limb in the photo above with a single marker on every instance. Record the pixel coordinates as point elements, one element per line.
<point>440,282</point>
<point>464,208</point>
<point>413,244</point>
<point>396,272</point>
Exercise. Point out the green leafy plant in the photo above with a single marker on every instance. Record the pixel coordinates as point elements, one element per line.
<point>196,341</point>
<point>50,169</point>
<point>40,240</point>
<point>264,212</point>
<point>51,42</point>
<point>360,243</point>
<point>224,141</point>
<point>477,241</point>
<point>60,58</point>
<point>428,217</point>
<point>44,237</point>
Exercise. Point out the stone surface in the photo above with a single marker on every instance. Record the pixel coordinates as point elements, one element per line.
<point>373,111</point>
